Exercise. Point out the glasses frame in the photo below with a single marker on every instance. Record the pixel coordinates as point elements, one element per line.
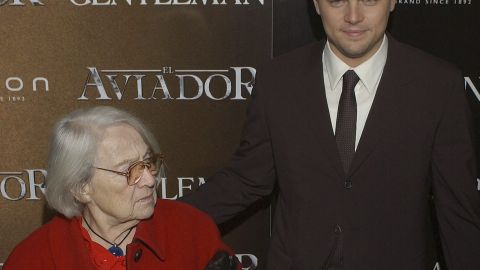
<point>158,158</point>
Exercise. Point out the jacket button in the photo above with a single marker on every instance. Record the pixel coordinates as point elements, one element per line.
<point>138,255</point>
<point>348,184</point>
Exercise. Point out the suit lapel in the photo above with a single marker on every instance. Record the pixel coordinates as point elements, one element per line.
<point>393,78</point>
<point>315,104</point>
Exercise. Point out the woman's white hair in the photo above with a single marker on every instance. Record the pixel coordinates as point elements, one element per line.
<point>73,149</point>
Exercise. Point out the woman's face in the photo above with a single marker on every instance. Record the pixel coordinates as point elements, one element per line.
<point>108,194</point>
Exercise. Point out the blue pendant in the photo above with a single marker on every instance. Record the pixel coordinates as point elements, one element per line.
<point>116,251</point>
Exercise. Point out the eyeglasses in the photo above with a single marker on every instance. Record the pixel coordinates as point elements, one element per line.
<point>135,171</point>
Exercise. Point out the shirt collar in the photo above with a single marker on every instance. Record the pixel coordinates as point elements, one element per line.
<point>369,71</point>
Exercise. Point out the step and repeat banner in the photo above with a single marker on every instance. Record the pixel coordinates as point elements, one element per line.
<point>186,67</point>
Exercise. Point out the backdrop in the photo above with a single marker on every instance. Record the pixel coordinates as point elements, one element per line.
<point>185,67</point>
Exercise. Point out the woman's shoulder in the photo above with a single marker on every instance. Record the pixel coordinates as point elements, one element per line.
<point>194,230</point>
<point>187,223</point>
<point>180,211</point>
<point>34,250</point>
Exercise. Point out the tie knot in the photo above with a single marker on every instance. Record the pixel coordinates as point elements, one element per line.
<point>350,79</point>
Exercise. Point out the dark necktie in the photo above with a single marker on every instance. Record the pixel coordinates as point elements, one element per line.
<point>345,137</point>
<point>347,120</point>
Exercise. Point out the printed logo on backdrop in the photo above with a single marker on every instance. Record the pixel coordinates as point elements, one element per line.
<point>248,261</point>
<point>434,2</point>
<point>20,3</point>
<point>15,88</point>
<point>167,83</point>
<point>472,83</point>
<point>29,184</point>
<point>167,2</point>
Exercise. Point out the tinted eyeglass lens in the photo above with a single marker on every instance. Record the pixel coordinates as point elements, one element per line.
<point>152,162</point>
<point>136,173</point>
<point>137,170</point>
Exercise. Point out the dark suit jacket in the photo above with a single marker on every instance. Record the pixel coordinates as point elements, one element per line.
<point>417,142</point>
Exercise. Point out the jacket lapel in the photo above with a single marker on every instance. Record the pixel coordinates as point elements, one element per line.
<point>67,246</point>
<point>393,78</point>
<point>153,235</point>
<point>315,104</point>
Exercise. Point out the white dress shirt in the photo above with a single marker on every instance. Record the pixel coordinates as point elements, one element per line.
<point>369,73</point>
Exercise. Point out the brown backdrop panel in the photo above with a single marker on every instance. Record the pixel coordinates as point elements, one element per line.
<point>52,53</point>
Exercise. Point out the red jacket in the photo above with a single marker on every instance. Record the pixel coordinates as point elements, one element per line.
<point>176,237</point>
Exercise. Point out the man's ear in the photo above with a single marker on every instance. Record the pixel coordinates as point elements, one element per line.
<point>392,5</point>
<point>315,2</point>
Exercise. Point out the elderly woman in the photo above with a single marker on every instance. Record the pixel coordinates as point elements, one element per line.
<point>104,166</point>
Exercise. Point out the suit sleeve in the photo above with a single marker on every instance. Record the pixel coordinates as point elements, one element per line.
<point>250,174</point>
<point>456,196</point>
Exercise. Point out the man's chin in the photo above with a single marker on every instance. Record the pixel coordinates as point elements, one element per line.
<point>355,51</point>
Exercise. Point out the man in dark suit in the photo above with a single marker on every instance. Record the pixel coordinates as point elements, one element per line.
<point>359,132</point>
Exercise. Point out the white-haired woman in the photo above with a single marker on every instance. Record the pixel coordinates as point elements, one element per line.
<point>103,169</point>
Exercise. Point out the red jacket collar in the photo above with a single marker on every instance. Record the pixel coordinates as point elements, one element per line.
<point>65,234</point>
<point>152,233</point>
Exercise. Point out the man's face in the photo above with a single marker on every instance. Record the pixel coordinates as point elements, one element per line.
<point>354,28</point>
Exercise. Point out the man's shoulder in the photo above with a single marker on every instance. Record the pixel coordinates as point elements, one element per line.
<point>297,60</point>
<point>311,54</point>
<point>413,59</point>
<point>300,54</point>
